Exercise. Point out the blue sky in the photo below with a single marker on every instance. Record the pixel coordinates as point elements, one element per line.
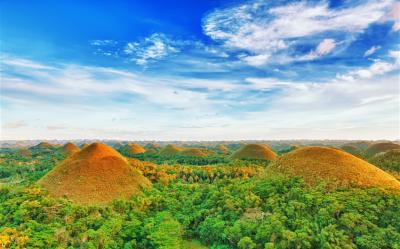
<point>200,70</point>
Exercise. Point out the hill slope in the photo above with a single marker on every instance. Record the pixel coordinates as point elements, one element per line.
<point>334,166</point>
<point>70,148</point>
<point>381,147</point>
<point>135,148</point>
<point>96,175</point>
<point>254,151</point>
<point>170,149</point>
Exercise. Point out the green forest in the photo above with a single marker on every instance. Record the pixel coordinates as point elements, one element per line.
<point>211,202</point>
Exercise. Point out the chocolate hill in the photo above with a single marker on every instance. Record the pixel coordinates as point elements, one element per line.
<point>43,145</point>
<point>96,175</point>
<point>222,149</point>
<point>170,149</point>
<point>362,145</point>
<point>352,149</point>
<point>194,152</point>
<point>389,160</point>
<point>134,148</point>
<point>84,145</point>
<point>25,152</point>
<point>381,147</point>
<point>254,151</point>
<point>336,167</point>
<point>70,148</point>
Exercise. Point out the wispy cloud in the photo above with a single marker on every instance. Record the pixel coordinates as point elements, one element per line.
<point>15,125</point>
<point>371,51</point>
<point>379,67</point>
<point>268,32</point>
<point>99,102</point>
<point>152,48</point>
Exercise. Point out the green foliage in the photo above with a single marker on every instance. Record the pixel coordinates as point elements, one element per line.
<point>228,213</point>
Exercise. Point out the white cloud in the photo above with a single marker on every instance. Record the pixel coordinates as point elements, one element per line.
<point>264,31</point>
<point>325,47</point>
<point>88,103</point>
<point>393,15</point>
<point>379,67</point>
<point>154,47</point>
<point>103,43</point>
<point>371,50</point>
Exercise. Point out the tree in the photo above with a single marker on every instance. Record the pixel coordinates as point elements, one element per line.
<point>246,243</point>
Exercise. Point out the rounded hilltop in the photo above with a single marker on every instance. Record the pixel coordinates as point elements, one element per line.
<point>255,151</point>
<point>43,145</point>
<point>133,148</point>
<point>381,147</point>
<point>170,149</point>
<point>352,149</point>
<point>96,175</point>
<point>389,160</point>
<point>196,152</point>
<point>70,148</point>
<point>221,148</point>
<point>334,166</point>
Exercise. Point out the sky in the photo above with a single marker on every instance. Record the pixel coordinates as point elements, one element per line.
<point>200,70</point>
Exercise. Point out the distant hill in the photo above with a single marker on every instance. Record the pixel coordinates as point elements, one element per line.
<point>336,167</point>
<point>389,160</point>
<point>381,147</point>
<point>254,151</point>
<point>194,152</point>
<point>133,148</point>
<point>170,149</point>
<point>70,148</point>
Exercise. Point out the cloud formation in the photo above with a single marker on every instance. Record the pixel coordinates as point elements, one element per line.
<point>268,32</point>
<point>154,47</point>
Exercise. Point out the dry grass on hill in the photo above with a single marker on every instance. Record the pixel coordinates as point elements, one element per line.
<point>352,149</point>
<point>194,152</point>
<point>135,148</point>
<point>43,145</point>
<point>381,147</point>
<point>170,149</point>
<point>333,166</point>
<point>222,149</point>
<point>96,175</point>
<point>254,151</point>
<point>70,148</point>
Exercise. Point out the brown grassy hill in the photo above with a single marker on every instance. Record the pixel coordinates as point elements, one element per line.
<point>352,149</point>
<point>194,152</point>
<point>43,145</point>
<point>84,145</point>
<point>96,175</point>
<point>336,167</point>
<point>389,160</point>
<point>381,147</point>
<point>222,149</point>
<point>254,151</point>
<point>152,146</point>
<point>135,148</point>
<point>170,149</point>
<point>70,148</point>
<point>362,145</point>
<point>25,152</point>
